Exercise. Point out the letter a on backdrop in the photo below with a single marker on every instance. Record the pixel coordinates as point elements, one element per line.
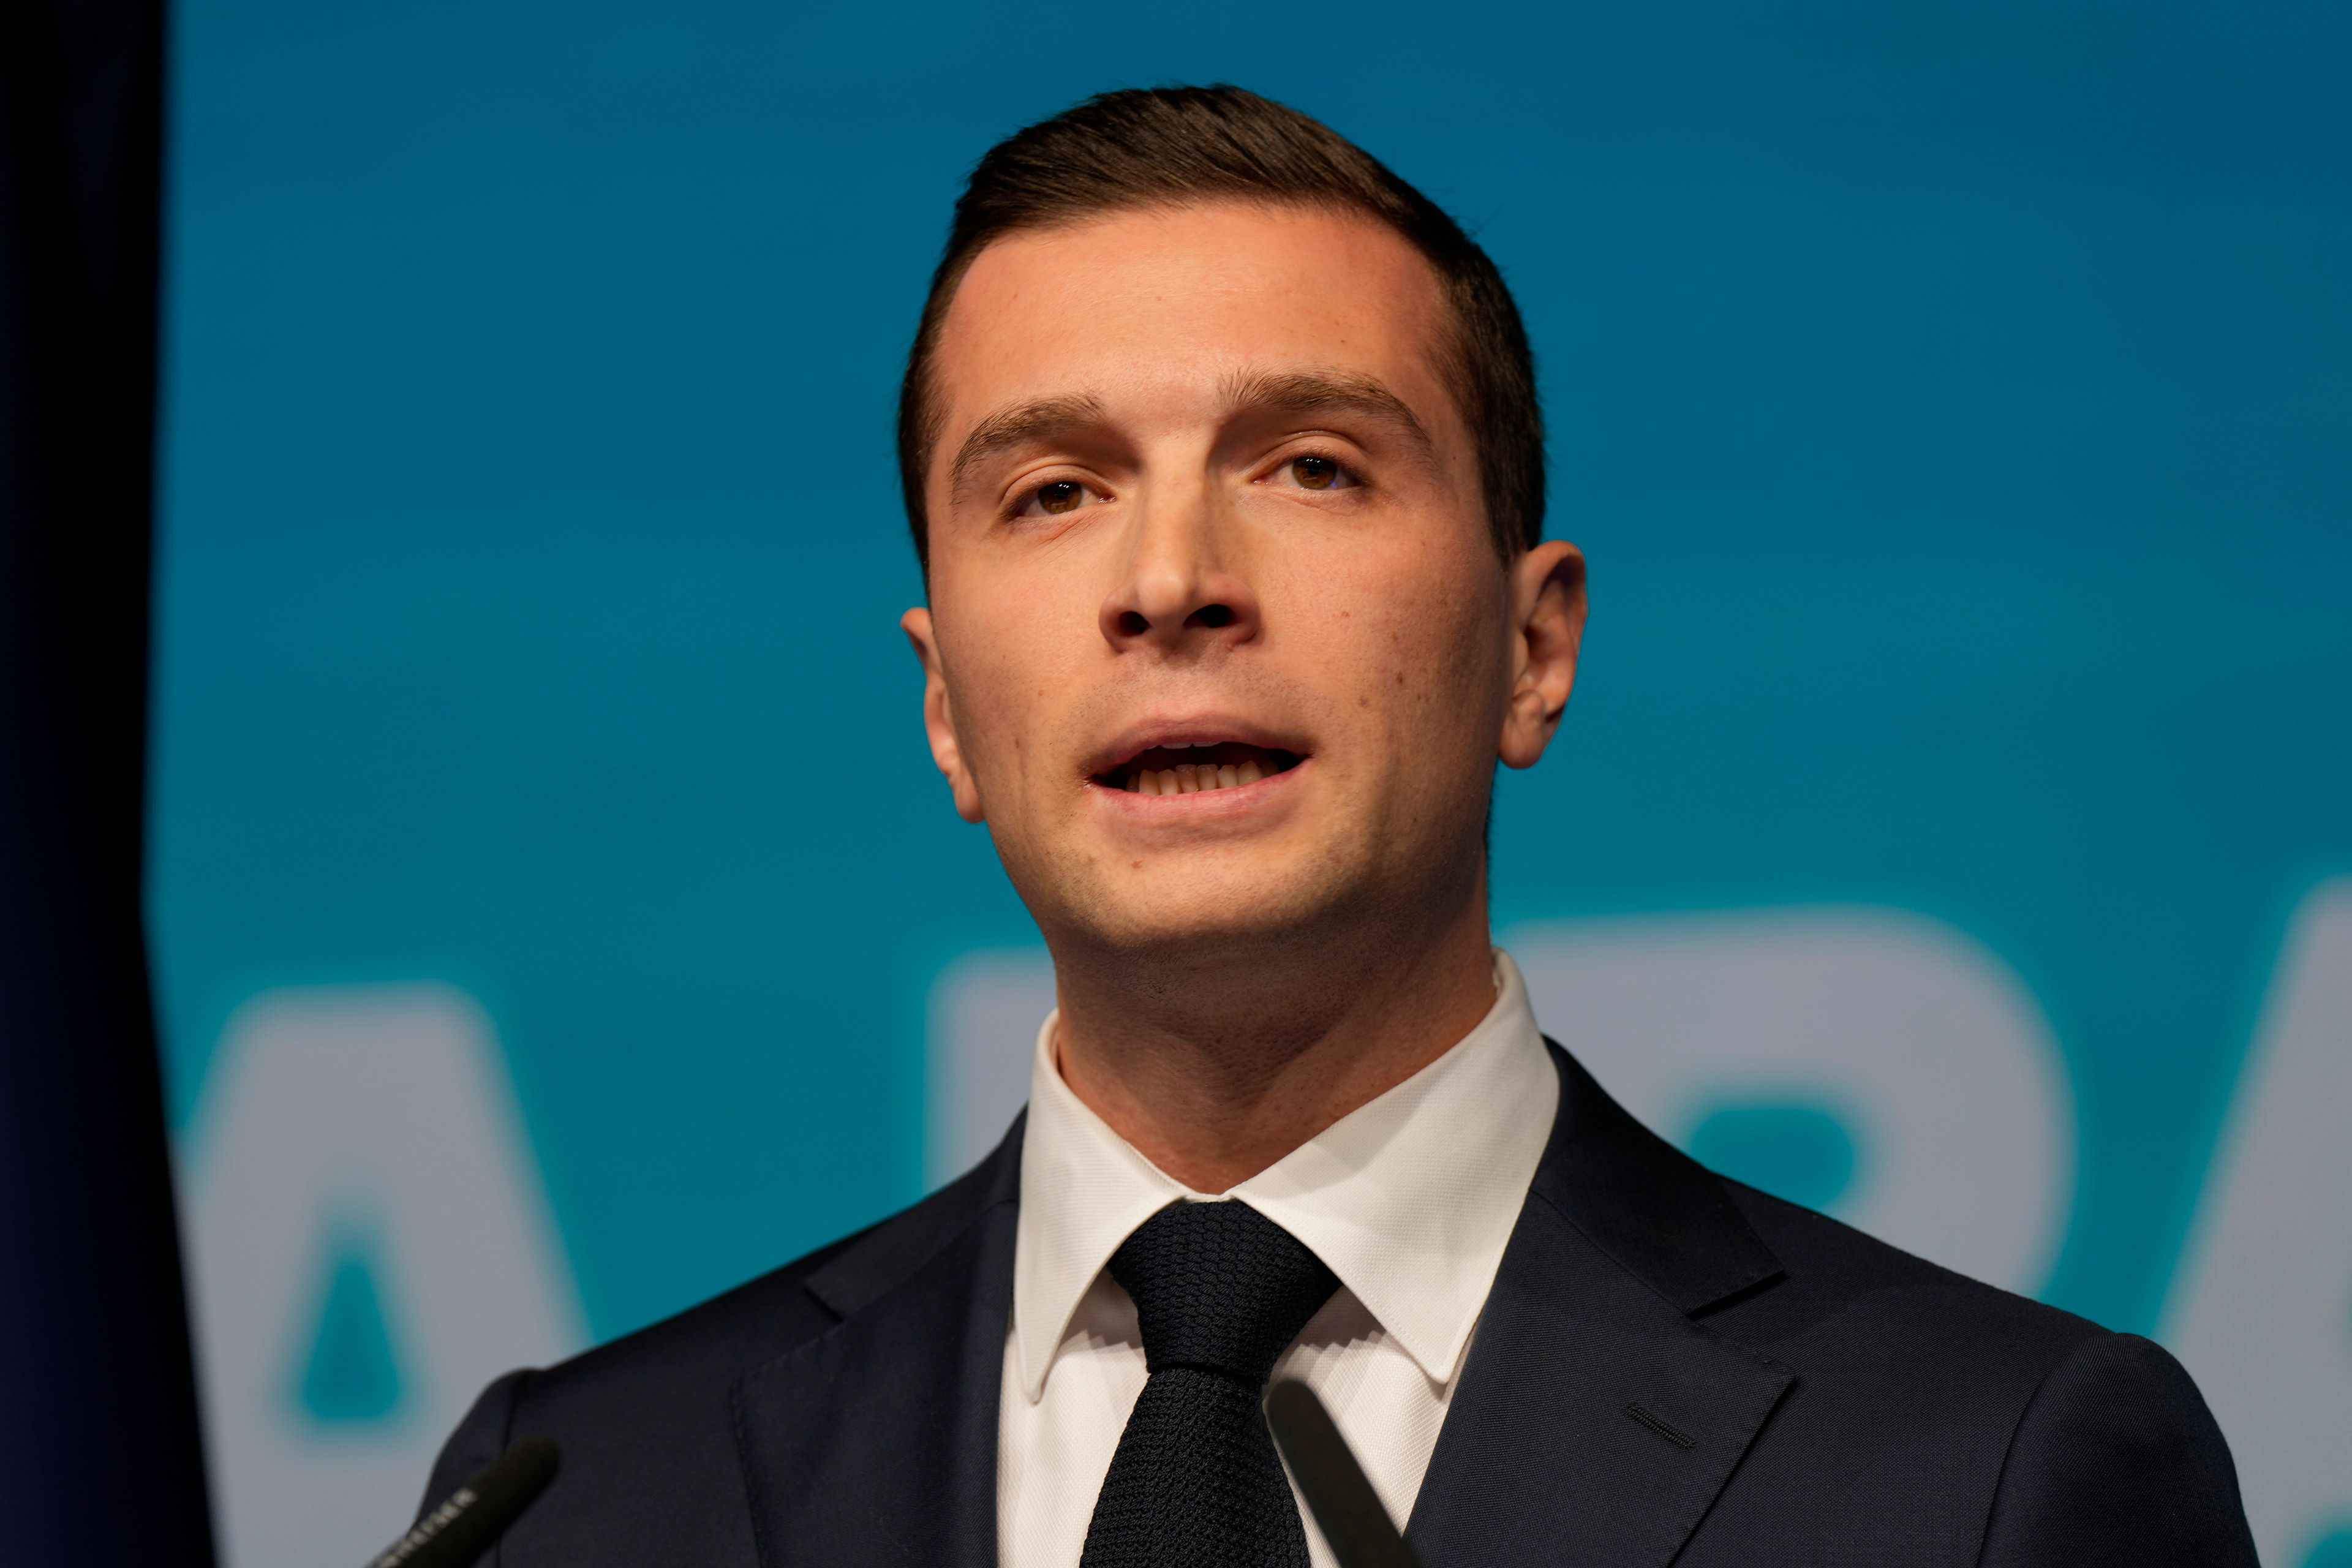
<point>370,1244</point>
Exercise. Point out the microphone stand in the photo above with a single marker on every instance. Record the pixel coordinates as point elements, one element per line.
<point>1346,1509</point>
<point>471,1520</point>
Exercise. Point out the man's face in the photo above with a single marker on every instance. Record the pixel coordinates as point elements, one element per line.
<point>1218,642</point>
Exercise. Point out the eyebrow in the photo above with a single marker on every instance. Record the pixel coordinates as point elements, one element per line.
<point>1315,392</point>
<point>1289,391</point>
<point>1017,426</point>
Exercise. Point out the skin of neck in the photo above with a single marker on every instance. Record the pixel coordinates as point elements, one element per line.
<point>1215,1063</point>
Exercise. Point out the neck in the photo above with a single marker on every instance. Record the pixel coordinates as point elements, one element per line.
<point>1215,1066</point>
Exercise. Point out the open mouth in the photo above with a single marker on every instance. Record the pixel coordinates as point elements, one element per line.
<point>1197,769</point>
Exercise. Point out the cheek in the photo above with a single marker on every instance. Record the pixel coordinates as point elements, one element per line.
<point>1004,719</point>
<point>1413,642</point>
<point>1011,676</point>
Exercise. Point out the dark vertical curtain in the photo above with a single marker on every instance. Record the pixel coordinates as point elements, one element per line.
<point>99,1454</point>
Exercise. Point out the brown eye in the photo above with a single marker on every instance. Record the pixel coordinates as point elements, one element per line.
<point>1061,496</point>
<point>1315,473</point>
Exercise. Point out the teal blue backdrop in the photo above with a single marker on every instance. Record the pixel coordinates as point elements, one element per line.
<point>1952,400</point>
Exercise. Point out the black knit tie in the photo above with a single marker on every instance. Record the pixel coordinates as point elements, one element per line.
<point>1219,1290</point>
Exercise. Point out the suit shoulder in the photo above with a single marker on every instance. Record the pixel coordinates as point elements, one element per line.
<point>647,1424</point>
<point>1837,1275</point>
<point>652,1402</point>
<point>752,1323</point>
<point>2118,1460</point>
<point>744,1327</point>
<point>1919,1396</point>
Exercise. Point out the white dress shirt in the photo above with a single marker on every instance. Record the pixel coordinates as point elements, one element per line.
<point>1410,1200</point>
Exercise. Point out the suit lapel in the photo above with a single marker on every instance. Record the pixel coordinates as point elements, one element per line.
<point>876,1442</point>
<point>1596,1420</point>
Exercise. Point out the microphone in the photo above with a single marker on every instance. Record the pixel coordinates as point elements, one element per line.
<point>1346,1508</point>
<point>478,1513</point>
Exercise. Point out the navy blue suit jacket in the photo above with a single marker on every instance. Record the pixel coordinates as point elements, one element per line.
<point>1671,1368</point>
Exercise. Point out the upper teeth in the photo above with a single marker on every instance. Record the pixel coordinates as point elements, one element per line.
<point>1191,778</point>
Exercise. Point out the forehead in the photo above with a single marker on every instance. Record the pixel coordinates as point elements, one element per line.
<point>1154,309</point>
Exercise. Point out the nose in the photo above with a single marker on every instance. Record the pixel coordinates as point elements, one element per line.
<point>1180,586</point>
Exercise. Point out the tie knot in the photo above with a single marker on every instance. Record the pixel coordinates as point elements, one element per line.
<point>1220,1287</point>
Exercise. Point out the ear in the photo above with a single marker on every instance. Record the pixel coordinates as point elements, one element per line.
<point>938,717</point>
<point>1546,627</point>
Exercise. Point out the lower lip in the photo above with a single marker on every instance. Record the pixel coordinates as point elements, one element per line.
<point>1229,801</point>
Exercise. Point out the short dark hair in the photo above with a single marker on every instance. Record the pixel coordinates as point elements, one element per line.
<point>1173,146</point>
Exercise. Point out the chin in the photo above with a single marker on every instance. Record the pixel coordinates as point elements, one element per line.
<point>1206,915</point>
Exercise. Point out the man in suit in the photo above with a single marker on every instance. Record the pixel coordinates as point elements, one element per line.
<point>1222,452</point>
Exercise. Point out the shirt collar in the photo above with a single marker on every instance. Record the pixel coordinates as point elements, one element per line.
<point>1408,1199</point>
